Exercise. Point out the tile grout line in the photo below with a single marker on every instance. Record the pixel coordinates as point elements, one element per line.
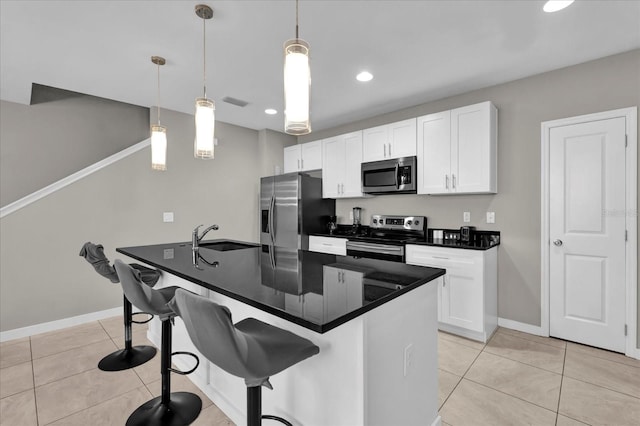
<point>564,362</point>
<point>535,340</point>
<point>33,377</point>
<point>524,363</point>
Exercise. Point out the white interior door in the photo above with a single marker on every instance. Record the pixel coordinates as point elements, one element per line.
<point>587,233</point>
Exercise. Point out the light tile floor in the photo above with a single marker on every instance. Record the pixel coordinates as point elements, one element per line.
<point>516,379</point>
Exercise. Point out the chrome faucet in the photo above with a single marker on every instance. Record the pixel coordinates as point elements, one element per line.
<point>195,239</point>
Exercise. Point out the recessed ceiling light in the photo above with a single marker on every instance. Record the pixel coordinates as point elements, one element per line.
<point>364,76</point>
<point>270,111</point>
<point>556,5</point>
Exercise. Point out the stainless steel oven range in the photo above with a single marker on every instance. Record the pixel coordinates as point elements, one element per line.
<point>387,237</point>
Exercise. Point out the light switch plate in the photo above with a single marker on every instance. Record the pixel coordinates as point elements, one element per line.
<point>466,217</point>
<point>491,217</point>
<point>167,217</point>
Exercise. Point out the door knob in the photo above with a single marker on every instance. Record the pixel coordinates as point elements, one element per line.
<point>557,242</point>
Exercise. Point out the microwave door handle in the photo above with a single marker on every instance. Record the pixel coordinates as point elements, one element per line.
<point>397,176</point>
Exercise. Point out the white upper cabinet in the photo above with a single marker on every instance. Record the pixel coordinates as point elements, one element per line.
<point>457,151</point>
<point>342,156</point>
<point>393,140</point>
<point>303,157</point>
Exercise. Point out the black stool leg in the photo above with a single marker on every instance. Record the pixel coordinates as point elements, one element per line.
<point>169,409</point>
<point>254,406</point>
<point>130,356</point>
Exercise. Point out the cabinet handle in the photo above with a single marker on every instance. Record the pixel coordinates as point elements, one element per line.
<point>342,188</point>
<point>298,164</point>
<point>302,164</point>
<point>338,188</point>
<point>389,150</point>
<point>440,257</point>
<point>453,181</point>
<point>446,181</point>
<point>385,150</point>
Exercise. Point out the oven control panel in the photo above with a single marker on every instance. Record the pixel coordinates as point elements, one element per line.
<point>414,223</point>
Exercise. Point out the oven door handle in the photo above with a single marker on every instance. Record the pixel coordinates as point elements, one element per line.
<point>397,176</point>
<point>375,248</point>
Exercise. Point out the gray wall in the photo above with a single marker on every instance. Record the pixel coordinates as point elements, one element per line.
<point>42,277</point>
<point>42,143</point>
<point>601,85</point>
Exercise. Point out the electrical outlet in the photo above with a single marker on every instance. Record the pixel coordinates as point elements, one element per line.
<point>491,217</point>
<point>408,358</point>
<point>466,217</point>
<point>167,217</point>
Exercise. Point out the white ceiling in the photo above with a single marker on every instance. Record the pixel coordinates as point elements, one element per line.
<point>418,51</point>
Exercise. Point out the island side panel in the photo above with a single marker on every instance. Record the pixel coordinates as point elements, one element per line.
<point>326,389</point>
<point>402,336</point>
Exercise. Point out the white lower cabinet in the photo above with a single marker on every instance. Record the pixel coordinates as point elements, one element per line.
<point>468,295</point>
<point>329,245</point>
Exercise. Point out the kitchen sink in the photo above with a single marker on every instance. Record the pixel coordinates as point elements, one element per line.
<point>225,245</point>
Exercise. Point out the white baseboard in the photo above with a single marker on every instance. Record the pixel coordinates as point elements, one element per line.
<point>58,324</point>
<point>437,421</point>
<point>521,326</point>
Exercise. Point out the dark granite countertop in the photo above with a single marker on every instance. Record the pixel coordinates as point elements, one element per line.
<point>314,290</point>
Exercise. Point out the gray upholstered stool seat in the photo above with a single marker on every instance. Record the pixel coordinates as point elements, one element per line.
<point>177,408</point>
<point>130,356</point>
<point>250,349</point>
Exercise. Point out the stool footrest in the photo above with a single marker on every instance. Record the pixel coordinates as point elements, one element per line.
<point>184,373</point>
<point>151,316</point>
<point>276,418</point>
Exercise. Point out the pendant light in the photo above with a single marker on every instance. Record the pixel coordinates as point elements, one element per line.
<point>297,85</point>
<point>158,132</point>
<point>205,108</point>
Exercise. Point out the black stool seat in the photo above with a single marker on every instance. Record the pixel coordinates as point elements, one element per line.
<point>131,356</point>
<point>169,409</point>
<point>250,349</point>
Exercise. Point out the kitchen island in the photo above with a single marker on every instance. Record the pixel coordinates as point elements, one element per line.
<point>374,321</point>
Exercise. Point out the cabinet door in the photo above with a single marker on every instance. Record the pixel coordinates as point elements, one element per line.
<point>434,153</point>
<point>334,165</point>
<point>311,156</point>
<point>353,288</point>
<point>292,158</point>
<point>462,298</point>
<point>334,291</point>
<point>313,307</point>
<point>473,149</point>
<point>402,139</point>
<point>375,143</point>
<point>352,182</point>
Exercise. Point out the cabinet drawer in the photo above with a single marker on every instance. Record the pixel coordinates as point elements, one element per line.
<point>443,257</point>
<point>328,245</point>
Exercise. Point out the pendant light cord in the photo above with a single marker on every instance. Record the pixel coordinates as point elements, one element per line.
<point>297,20</point>
<point>204,55</point>
<point>158,94</point>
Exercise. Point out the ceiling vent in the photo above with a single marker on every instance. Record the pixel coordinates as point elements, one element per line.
<point>234,101</point>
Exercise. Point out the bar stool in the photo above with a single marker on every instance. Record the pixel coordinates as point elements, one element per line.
<point>169,409</point>
<point>131,356</point>
<point>250,349</point>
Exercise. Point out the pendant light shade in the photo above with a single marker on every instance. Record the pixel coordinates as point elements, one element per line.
<point>205,108</point>
<point>205,127</point>
<point>158,132</point>
<point>297,86</point>
<point>158,147</point>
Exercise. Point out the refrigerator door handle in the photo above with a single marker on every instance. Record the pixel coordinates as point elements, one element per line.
<point>272,256</point>
<point>272,209</point>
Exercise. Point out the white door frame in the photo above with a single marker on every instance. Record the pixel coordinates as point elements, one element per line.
<point>631,278</point>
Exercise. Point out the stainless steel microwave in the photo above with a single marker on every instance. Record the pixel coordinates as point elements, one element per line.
<point>397,175</point>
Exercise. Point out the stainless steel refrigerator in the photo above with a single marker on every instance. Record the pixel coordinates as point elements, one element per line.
<point>291,208</point>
